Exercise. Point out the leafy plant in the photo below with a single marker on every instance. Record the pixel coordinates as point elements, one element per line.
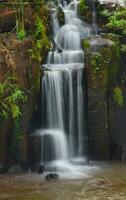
<point>42,43</point>
<point>86,44</point>
<point>97,62</point>
<point>11,97</point>
<point>19,13</point>
<point>21,34</point>
<point>117,21</point>
<point>83,5</point>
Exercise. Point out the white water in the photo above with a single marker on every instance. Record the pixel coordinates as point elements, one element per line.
<point>63,94</point>
<point>59,143</point>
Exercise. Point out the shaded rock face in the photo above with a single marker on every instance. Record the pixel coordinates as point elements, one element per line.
<point>99,62</point>
<point>15,60</point>
<point>97,125</point>
<point>118,131</point>
<point>117,119</point>
<point>8,18</point>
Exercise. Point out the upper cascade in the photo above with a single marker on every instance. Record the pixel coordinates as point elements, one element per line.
<point>67,38</point>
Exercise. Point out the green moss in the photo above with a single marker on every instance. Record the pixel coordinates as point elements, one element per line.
<point>97,63</point>
<point>86,44</point>
<point>41,39</point>
<point>118,96</point>
<point>123,48</point>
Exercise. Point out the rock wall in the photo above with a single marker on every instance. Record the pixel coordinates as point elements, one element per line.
<point>99,61</point>
<point>16,60</point>
<point>28,75</point>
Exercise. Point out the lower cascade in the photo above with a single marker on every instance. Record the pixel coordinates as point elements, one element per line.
<point>64,137</point>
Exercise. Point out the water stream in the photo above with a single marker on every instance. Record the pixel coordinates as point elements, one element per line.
<point>63,94</point>
<point>106,184</point>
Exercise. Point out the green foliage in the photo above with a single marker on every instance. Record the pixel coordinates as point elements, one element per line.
<point>86,44</point>
<point>105,13</point>
<point>83,5</point>
<point>117,22</point>
<point>19,13</point>
<point>21,34</point>
<point>11,96</point>
<point>118,96</point>
<point>37,4</point>
<point>42,43</point>
<point>97,63</point>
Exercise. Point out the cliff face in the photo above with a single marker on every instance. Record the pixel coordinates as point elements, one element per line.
<point>20,68</point>
<point>15,61</point>
<point>103,62</point>
<point>105,81</point>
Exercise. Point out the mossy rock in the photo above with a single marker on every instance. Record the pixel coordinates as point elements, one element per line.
<point>103,61</point>
<point>85,44</point>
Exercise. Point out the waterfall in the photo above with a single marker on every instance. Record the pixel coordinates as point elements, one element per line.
<point>52,82</point>
<point>63,91</point>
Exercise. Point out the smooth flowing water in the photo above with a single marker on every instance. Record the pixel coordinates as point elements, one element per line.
<point>63,94</point>
<point>108,183</point>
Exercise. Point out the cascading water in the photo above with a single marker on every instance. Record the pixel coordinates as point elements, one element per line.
<point>63,92</point>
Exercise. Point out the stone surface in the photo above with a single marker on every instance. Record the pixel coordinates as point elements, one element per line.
<point>52,177</point>
<point>8,18</point>
<point>100,55</point>
<point>16,169</point>
<point>15,58</point>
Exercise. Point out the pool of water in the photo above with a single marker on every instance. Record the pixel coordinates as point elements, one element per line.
<point>108,182</point>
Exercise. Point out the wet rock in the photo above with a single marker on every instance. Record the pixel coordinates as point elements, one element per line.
<point>52,176</point>
<point>102,67</point>
<point>97,42</point>
<point>1,168</point>
<point>41,169</point>
<point>16,169</point>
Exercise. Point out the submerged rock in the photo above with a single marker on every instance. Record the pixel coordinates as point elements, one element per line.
<point>52,176</point>
<point>41,169</point>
